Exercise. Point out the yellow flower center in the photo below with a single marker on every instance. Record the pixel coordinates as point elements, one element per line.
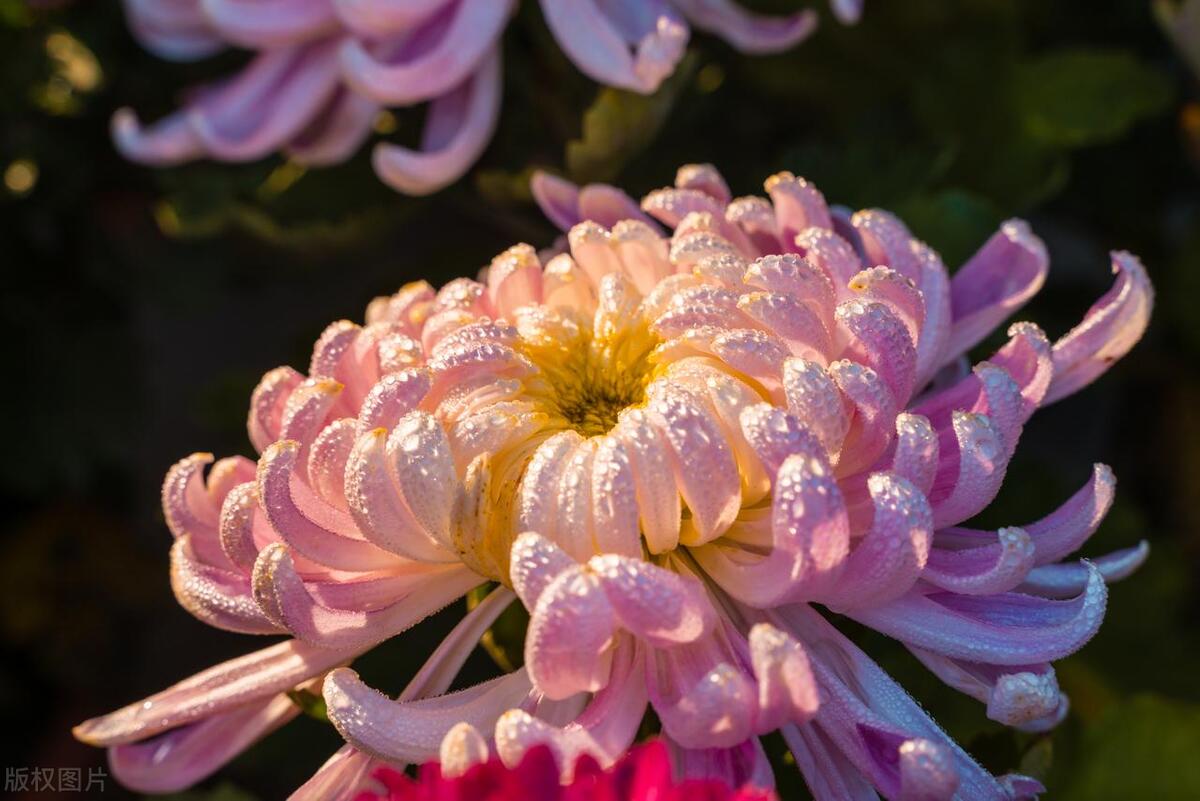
<point>584,382</point>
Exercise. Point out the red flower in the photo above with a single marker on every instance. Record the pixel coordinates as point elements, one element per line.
<point>644,774</point>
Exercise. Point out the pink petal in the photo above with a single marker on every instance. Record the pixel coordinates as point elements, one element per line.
<point>703,700</point>
<point>874,336</point>
<point>568,646</point>
<point>1024,696</point>
<point>704,177</point>
<point>872,420</point>
<point>812,396</point>
<point>320,532</point>
<point>657,496</point>
<point>701,461</point>
<point>231,684</point>
<point>916,455</point>
<point>887,561</point>
<point>438,58</point>
<point>604,730</point>
<point>595,41</point>
<point>337,134</point>
<point>614,500</point>
<point>175,30</point>
<point>267,403</point>
<point>457,129</point>
<point>535,562</point>
<point>787,691</point>
<point>168,142</point>
<point>412,731</point>
<point>748,32</point>
<point>1109,330</point>
<point>282,594</point>
<point>375,17</point>
<point>220,598</point>
<point>653,603</point>
<point>275,23</point>
<point>377,500</point>
<point>184,756</point>
<point>809,518</point>
<point>1006,272</point>
<point>268,104</point>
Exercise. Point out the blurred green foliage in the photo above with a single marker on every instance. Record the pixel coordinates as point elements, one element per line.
<point>140,306</point>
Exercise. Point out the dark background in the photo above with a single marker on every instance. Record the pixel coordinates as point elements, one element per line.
<point>140,307</point>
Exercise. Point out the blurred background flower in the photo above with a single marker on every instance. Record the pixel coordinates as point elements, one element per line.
<point>323,71</point>
<point>955,116</point>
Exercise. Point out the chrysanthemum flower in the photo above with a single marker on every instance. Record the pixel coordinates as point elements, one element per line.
<point>643,774</point>
<point>323,69</point>
<point>688,455</point>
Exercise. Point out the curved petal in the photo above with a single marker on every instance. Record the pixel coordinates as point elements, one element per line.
<point>457,130</point>
<point>412,731</point>
<point>231,684</point>
<point>596,43</point>
<point>282,594</point>
<point>184,756</point>
<point>1109,329</point>
<point>1004,629</point>
<point>748,32</point>
<point>263,24</point>
<point>439,57</point>
<point>1006,272</point>
<point>220,598</point>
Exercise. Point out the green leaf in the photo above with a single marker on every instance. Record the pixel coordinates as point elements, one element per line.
<point>1144,747</point>
<point>1079,97</point>
<point>619,125</point>
<point>310,704</point>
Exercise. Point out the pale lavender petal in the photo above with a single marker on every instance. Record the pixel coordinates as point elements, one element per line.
<point>1004,629</point>
<point>439,57</point>
<point>748,32</point>
<point>261,24</point>
<point>457,131</point>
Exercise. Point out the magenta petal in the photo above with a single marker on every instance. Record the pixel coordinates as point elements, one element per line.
<point>1109,330</point>
<point>181,757</point>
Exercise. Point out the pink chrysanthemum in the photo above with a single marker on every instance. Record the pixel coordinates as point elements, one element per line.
<point>643,774</point>
<point>686,454</point>
<point>324,68</point>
